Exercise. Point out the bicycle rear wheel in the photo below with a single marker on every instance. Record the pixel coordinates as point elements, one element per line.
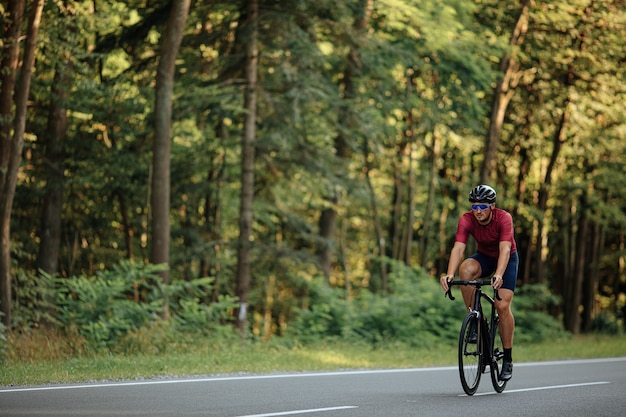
<point>470,354</point>
<point>497,357</point>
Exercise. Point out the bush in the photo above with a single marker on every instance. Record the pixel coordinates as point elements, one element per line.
<point>531,305</point>
<point>414,312</point>
<point>606,323</point>
<point>327,316</point>
<point>104,309</point>
<point>33,300</point>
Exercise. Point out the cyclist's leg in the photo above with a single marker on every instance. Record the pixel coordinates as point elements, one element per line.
<point>507,321</point>
<point>470,269</point>
<point>474,267</point>
<point>507,328</point>
<point>503,306</point>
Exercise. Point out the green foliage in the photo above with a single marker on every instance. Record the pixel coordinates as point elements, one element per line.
<point>33,300</point>
<point>531,307</point>
<point>102,308</point>
<point>326,317</point>
<point>415,312</point>
<point>606,323</point>
<point>422,76</point>
<point>193,315</point>
<point>3,342</point>
<point>107,307</point>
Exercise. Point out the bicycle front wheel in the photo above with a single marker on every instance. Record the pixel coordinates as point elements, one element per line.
<point>497,357</point>
<point>470,354</point>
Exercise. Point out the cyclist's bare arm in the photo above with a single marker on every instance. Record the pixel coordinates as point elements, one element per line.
<point>456,256</point>
<point>503,261</point>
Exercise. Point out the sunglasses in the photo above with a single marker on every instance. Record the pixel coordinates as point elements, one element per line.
<point>480,206</point>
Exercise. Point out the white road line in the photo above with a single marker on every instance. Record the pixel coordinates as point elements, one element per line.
<point>292,375</point>
<point>226,378</point>
<point>543,388</point>
<point>313,410</point>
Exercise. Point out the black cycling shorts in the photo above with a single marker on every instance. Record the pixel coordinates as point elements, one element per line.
<point>488,266</point>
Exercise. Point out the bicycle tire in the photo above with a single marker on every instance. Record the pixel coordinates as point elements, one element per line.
<point>470,355</point>
<point>497,358</point>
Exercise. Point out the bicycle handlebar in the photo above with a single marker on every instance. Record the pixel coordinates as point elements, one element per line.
<point>475,282</point>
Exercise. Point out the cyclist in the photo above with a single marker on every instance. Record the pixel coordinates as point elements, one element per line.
<point>496,254</point>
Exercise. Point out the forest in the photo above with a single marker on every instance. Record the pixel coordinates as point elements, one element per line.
<point>240,158</point>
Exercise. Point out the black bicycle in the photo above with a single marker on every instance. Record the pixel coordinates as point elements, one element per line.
<point>479,342</point>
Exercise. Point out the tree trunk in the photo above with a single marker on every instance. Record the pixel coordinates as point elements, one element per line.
<point>380,238</point>
<point>544,191</point>
<point>326,224</point>
<point>565,254</point>
<point>126,225</point>
<point>247,162</point>
<point>342,145</point>
<point>503,94</point>
<point>433,153</point>
<point>12,148</point>
<point>160,196</point>
<point>525,236</point>
<point>10,58</point>
<point>407,235</point>
<point>395,231</point>
<point>8,70</point>
<point>406,148</point>
<point>52,213</point>
<point>210,264</point>
<point>621,266</point>
<point>573,292</point>
<point>592,277</point>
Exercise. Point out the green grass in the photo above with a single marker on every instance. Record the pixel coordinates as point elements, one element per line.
<point>206,358</point>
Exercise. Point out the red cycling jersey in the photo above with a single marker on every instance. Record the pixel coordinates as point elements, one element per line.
<point>488,237</point>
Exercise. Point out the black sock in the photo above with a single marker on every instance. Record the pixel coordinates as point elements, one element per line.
<point>508,355</point>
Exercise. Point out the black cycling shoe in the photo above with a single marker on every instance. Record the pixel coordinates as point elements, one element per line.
<point>472,336</point>
<point>507,371</point>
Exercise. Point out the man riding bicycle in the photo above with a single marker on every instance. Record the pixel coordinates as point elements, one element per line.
<point>496,254</point>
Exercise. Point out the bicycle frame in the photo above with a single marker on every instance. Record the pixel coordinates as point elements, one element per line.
<point>493,319</point>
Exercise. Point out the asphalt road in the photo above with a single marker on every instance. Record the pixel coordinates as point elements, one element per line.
<point>565,388</point>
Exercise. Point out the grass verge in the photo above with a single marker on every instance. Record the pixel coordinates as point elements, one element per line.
<point>210,358</point>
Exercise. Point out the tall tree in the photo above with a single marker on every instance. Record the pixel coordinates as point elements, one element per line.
<point>12,144</point>
<point>160,196</point>
<point>345,123</point>
<point>251,28</point>
<point>54,143</point>
<point>511,74</point>
<point>50,232</point>
<point>11,49</point>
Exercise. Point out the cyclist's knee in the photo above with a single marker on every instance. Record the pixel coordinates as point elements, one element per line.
<point>503,308</point>
<point>503,305</point>
<point>469,269</point>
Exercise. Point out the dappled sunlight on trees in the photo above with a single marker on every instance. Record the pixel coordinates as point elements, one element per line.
<point>339,154</point>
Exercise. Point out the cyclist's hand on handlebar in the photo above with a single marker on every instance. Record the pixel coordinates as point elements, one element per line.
<point>497,281</point>
<point>444,280</point>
